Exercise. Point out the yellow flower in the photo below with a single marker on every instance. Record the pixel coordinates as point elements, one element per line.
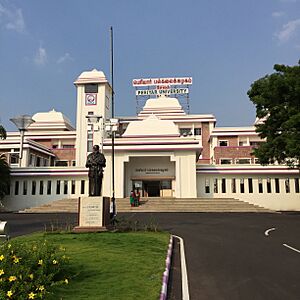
<point>12,278</point>
<point>66,281</point>
<point>30,276</point>
<point>31,295</point>
<point>55,262</point>
<point>1,257</point>
<point>1,272</point>
<point>40,262</point>
<point>9,294</point>
<point>16,260</point>
<point>9,246</point>
<point>41,288</point>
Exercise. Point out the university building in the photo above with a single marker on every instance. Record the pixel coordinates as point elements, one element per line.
<point>163,151</point>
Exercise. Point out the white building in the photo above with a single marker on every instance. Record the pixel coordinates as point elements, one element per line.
<point>163,151</point>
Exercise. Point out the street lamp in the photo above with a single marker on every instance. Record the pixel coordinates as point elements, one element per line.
<point>112,127</point>
<point>22,122</point>
<point>94,119</point>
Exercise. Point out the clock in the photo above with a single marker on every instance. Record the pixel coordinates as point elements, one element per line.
<point>90,99</point>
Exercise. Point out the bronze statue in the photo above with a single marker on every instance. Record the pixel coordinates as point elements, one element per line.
<point>95,162</point>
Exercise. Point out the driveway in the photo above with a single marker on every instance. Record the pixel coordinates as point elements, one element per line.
<point>229,255</point>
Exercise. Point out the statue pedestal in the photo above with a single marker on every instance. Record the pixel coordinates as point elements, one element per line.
<point>93,214</point>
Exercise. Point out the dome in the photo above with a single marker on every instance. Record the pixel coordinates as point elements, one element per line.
<point>52,120</point>
<point>162,106</point>
<point>162,102</point>
<point>93,76</point>
<point>150,127</point>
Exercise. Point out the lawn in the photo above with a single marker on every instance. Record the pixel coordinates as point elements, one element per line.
<point>111,265</point>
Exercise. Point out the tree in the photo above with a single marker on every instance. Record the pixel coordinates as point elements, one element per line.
<point>277,101</point>
<point>4,169</point>
<point>2,133</point>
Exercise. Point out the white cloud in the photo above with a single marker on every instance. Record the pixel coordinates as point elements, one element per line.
<point>12,19</point>
<point>64,58</point>
<point>277,14</point>
<point>40,57</point>
<point>288,30</point>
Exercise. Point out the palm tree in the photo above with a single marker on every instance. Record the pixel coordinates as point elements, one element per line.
<point>4,168</point>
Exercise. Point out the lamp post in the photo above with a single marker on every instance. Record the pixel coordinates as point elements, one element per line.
<point>94,119</point>
<point>22,122</point>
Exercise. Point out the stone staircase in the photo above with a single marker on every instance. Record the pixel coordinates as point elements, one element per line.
<point>159,205</point>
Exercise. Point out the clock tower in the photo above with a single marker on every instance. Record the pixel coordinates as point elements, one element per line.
<point>93,109</point>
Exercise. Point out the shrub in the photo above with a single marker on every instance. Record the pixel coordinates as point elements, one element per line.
<point>29,270</point>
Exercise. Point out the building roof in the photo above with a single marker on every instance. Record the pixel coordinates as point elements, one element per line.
<point>152,126</point>
<point>162,106</point>
<point>52,120</point>
<point>93,76</point>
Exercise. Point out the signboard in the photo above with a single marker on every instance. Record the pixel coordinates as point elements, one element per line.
<point>91,211</point>
<point>161,92</point>
<point>162,81</point>
<point>90,99</point>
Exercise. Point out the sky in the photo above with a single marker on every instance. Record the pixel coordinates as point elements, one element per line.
<point>224,45</point>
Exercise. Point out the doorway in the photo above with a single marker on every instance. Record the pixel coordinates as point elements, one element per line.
<point>151,188</point>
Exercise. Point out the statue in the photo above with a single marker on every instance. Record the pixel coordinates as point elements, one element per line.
<point>95,162</point>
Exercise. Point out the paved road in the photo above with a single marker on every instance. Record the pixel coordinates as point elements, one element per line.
<point>228,255</point>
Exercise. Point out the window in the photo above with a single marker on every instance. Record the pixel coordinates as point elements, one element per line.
<point>61,163</point>
<point>297,185</point>
<point>14,158</point>
<point>233,185</point>
<point>66,187</point>
<point>277,188</point>
<point>269,190</point>
<point>250,185</point>
<point>49,187</point>
<point>41,187</point>
<point>54,146</point>
<point>185,131</point>
<point>223,185</point>
<point>73,187</point>
<point>166,184</point>
<point>82,185</point>
<point>17,188</point>
<point>242,185</point>
<point>90,139</point>
<point>91,88</point>
<point>38,161</point>
<point>287,185</point>
<point>207,189</point>
<point>25,184</point>
<point>260,186</point>
<point>243,161</point>
<point>223,143</point>
<point>58,187</point>
<point>226,161</point>
<point>216,185</point>
<point>68,146</point>
<point>255,144</point>
<point>46,162</point>
<point>33,187</point>
<point>197,131</point>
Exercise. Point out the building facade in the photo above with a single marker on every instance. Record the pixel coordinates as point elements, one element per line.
<point>162,151</point>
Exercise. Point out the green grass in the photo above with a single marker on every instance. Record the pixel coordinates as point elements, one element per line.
<point>111,265</point>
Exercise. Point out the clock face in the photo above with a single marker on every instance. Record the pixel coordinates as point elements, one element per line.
<point>90,99</point>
